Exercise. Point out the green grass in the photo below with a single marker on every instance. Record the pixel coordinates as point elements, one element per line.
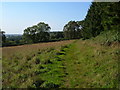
<point>79,64</point>
<point>106,37</point>
<point>91,66</point>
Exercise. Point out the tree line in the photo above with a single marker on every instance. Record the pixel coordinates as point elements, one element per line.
<point>101,16</point>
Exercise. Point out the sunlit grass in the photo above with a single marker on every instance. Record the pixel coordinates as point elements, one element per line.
<point>66,64</point>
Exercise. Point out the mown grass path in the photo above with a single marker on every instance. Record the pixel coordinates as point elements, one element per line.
<point>90,65</point>
<point>69,64</point>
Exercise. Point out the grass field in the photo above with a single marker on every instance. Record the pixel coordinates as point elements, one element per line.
<point>21,64</point>
<point>90,65</point>
<point>65,64</point>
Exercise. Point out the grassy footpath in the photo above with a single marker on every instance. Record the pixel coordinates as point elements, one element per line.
<point>79,64</point>
<point>90,65</point>
<point>83,64</point>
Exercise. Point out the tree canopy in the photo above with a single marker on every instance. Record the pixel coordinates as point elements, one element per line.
<point>72,30</point>
<point>100,17</point>
<point>37,33</point>
<point>2,38</point>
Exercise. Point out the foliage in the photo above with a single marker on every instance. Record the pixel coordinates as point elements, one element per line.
<point>2,38</point>
<point>105,17</point>
<point>13,40</point>
<point>37,33</point>
<point>17,39</point>
<point>72,30</point>
<point>107,37</point>
<point>56,35</point>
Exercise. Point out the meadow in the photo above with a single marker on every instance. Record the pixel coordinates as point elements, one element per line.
<point>22,65</point>
<point>88,56</point>
<point>64,64</point>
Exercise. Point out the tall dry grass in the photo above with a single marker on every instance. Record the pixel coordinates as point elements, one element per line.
<point>25,50</point>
